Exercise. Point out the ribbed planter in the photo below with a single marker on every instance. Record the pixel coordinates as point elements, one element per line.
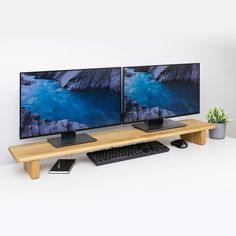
<point>218,132</point>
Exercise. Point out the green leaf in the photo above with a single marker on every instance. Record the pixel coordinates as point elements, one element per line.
<point>217,115</point>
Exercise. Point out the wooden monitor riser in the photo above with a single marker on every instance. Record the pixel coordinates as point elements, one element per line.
<point>31,154</point>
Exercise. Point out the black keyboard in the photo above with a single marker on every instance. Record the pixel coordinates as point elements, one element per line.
<point>126,152</point>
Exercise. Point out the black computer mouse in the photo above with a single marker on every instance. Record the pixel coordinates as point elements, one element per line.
<point>179,143</point>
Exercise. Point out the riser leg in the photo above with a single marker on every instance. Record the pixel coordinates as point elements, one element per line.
<point>197,137</point>
<point>33,169</point>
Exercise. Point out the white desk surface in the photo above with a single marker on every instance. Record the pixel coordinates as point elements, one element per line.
<point>181,192</point>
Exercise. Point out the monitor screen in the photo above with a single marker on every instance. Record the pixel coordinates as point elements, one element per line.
<point>70,100</point>
<point>152,92</point>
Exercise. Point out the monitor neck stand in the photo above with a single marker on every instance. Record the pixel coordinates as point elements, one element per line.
<point>71,138</point>
<point>158,125</point>
<point>155,122</point>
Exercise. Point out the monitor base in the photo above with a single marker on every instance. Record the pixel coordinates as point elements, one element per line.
<point>70,138</point>
<point>158,125</point>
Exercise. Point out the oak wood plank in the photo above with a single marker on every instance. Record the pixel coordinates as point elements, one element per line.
<point>119,136</point>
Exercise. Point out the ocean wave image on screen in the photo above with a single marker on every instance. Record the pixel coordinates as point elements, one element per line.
<point>153,92</point>
<point>61,101</point>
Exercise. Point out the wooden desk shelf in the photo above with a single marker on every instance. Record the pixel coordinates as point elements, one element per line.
<point>31,154</point>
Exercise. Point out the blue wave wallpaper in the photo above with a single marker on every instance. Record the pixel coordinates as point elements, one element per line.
<point>60,101</point>
<point>152,92</point>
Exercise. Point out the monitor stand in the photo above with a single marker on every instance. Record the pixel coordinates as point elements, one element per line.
<point>70,138</point>
<point>158,125</point>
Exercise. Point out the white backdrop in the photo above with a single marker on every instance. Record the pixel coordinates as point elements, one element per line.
<point>49,35</point>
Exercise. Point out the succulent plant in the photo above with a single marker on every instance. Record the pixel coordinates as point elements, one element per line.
<point>217,115</point>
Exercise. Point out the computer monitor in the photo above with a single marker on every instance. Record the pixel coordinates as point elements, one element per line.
<point>152,93</point>
<point>66,101</point>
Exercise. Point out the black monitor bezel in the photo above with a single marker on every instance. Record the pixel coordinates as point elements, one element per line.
<point>42,135</point>
<point>139,121</point>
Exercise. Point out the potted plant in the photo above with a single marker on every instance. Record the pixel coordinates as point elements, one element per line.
<point>219,117</point>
